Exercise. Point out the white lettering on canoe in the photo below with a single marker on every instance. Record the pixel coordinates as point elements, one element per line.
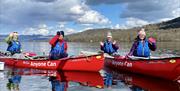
<point>125,63</point>
<point>36,64</point>
<point>51,63</point>
<point>48,63</point>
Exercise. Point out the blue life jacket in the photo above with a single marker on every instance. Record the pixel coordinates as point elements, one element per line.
<point>143,49</point>
<point>15,79</point>
<point>108,48</point>
<point>58,86</point>
<point>57,51</point>
<point>14,47</point>
<point>108,79</point>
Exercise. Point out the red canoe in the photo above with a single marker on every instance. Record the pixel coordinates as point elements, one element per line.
<point>92,79</point>
<point>79,63</point>
<point>168,68</point>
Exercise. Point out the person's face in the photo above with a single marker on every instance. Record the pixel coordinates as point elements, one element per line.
<point>142,36</point>
<point>60,37</point>
<point>109,38</point>
<point>15,34</point>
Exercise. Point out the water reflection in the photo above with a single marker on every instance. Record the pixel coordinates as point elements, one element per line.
<point>58,85</point>
<point>60,80</point>
<point>13,82</point>
<point>108,80</point>
<point>137,82</point>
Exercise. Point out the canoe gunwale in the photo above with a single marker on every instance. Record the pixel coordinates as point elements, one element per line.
<point>133,60</point>
<point>63,59</point>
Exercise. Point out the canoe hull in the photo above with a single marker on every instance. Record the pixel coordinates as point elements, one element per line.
<point>90,63</point>
<point>168,68</point>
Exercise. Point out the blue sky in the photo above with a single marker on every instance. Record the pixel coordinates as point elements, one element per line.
<point>48,16</point>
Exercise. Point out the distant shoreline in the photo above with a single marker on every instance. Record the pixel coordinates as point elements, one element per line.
<point>170,35</point>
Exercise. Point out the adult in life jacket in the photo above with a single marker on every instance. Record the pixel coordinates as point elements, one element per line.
<point>14,46</point>
<point>108,46</point>
<point>142,46</point>
<point>58,46</point>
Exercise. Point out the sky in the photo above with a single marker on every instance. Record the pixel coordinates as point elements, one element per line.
<point>45,17</point>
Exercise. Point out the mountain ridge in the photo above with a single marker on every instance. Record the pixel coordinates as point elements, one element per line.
<point>163,31</point>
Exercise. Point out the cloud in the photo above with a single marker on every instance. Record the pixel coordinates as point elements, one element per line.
<point>149,10</point>
<point>62,27</point>
<point>41,29</point>
<point>46,1</point>
<point>77,9</point>
<point>29,13</point>
<point>69,31</point>
<point>130,23</point>
<point>176,12</point>
<point>98,2</point>
<point>117,26</point>
<point>93,17</point>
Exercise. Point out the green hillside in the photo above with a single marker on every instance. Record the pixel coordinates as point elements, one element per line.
<point>165,31</point>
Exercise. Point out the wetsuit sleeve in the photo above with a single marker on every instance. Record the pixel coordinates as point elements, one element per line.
<point>133,48</point>
<point>152,46</point>
<point>53,40</point>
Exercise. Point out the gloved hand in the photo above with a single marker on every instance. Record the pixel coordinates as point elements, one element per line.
<point>152,40</point>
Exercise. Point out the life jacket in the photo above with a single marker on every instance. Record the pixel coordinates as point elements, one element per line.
<point>143,49</point>
<point>15,79</point>
<point>57,51</point>
<point>108,48</point>
<point>14,47</point>
<point>108,79</point>
<point>58,86</point>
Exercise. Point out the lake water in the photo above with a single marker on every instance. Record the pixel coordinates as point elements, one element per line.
<point>106,80</point>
